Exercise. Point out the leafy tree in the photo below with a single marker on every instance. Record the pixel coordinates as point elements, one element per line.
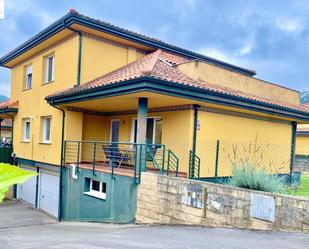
<point>10,175</point>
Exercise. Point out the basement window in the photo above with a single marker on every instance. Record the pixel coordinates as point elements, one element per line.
<point>95,188</point>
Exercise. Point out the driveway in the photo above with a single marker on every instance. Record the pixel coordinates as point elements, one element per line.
<point>23,227</point>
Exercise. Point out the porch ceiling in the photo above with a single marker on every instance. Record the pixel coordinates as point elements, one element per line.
<point>129,102</point>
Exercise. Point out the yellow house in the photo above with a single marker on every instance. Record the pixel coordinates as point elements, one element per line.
<point>95,104</point>
<point>302,146</point>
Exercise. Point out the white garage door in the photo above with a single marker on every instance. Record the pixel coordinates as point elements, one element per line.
<point>27,190</point>
<point>49,193</point>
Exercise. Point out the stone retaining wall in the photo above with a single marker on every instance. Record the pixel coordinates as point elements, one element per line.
<point>302,163</point>
<point>166,200</point>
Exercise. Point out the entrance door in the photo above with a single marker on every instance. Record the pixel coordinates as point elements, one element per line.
<point>115,131</point>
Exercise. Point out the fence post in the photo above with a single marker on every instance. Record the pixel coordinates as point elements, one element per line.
<point>78,155</point>
<point>217,158</point>
<point>163,158</point>
<point>168,162</point>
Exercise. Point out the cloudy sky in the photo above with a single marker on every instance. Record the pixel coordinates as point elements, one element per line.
<point>271,37</point>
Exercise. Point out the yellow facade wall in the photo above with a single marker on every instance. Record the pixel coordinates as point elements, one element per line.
<point>302,145</point>
<point>32,103</point>
<point>98,58</point>
<point>101,57</point>
<point>213,74</point>
<point>260,142</point>
<point>177,130</point>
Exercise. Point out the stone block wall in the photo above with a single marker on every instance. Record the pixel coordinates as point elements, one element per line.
<point>160,200</point>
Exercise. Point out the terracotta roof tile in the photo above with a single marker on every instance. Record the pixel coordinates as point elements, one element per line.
<point>161,65</point>
<point>8,104</point>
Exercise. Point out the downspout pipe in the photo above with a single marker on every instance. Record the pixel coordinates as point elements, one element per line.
<point>60,213</point>
<point>79,61</point>
<point>195,120</point>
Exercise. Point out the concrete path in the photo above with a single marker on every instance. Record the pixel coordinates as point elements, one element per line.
<point>47,233</point>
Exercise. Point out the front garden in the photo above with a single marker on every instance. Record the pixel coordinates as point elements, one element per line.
<point>303,188</point>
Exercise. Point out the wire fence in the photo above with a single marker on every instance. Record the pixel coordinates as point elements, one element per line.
<point>217,158</point>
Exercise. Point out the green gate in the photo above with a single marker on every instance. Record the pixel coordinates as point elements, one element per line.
<point>5,154</point>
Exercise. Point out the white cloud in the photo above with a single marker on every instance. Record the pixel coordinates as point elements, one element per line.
<point>219,54</point>
<point>190,3</point>
<point>246,48</point>
<point>291,25</point>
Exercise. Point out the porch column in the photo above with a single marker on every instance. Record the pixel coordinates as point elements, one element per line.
<point>141,132</point>
<point>142,120</point>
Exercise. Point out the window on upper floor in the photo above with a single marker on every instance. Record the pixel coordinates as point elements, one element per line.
<point>28,77</point>
<point>46,129</point>
<point>49,62</point>
<point>26,130</point>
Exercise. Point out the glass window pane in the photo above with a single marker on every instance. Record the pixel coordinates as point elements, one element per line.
<point>28,82</point>
<point>149,132</point>
<point>103,187</point>
<point>27,130</point>
<point>158,138</point>
<point>95,185</point>
<point>46,129</point>
<point>49,69</point>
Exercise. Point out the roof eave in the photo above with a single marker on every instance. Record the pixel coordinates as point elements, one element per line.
<point>72,17</point>
<point>8,110</point>
<point>178,90</point>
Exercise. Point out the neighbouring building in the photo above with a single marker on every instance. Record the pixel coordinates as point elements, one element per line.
<point>6,128</point>
<point>94,105</point>
<point>302,146</point>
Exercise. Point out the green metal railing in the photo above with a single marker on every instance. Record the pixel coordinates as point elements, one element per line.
<point>194,165</point>
<point>138,157</point>
<point>172,163</point>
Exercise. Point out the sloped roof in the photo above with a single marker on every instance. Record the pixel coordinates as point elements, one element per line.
<point>158,65</point>
<point>73,17</point>
<point>8,104</point>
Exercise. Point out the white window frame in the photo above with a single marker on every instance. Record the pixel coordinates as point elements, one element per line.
<point>44,140</point>
<point>27,86</point>
<point>25,121</point>
<point>153,132</point>
<point>46,60</point>
<point>98,194</point>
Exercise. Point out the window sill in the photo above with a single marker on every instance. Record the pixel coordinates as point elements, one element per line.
<point>24,141</point>
<point>47,83</point>
<point>96,194</point>
<point>27,89</point>
<point>45,143</point>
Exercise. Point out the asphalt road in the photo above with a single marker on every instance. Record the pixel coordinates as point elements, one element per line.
<point>23,227</point>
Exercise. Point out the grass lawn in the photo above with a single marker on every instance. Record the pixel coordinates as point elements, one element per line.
<point>303,188</point>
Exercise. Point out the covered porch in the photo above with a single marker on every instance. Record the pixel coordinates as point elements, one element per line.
<point>128,134</point>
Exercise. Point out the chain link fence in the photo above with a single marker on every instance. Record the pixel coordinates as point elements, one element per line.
<point>217,158</point>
